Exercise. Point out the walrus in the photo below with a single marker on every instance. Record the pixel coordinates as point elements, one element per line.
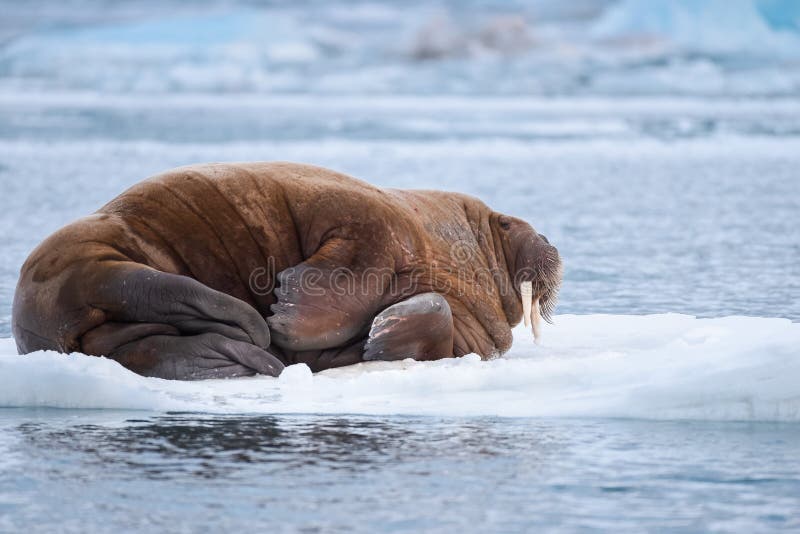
<point>234,269</point>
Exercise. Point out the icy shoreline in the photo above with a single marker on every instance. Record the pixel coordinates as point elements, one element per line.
<point>652,367</point>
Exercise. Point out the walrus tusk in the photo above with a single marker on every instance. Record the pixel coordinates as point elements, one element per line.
<point>536,319</point>
<point>526,291</point>
<point>531,312</point>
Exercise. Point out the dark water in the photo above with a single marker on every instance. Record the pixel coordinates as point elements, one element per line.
<point>103,472</point>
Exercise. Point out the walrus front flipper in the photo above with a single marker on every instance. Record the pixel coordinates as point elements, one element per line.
<point>195,357</point>
<point>329,300</point>
<point>420,327</point>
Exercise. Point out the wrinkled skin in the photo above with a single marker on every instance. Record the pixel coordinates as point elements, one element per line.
<point>227,270</point>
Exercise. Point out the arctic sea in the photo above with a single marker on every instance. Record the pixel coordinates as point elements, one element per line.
<point>660,157</point>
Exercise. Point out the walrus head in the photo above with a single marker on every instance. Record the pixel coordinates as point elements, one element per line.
<point>534,268</point>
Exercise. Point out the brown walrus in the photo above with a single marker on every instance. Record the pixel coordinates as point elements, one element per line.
<point>224,270</point>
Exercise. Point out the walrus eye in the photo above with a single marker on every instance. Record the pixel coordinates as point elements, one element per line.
<point>504,223</point>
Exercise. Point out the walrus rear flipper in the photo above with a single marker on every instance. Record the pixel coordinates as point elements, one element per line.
<point>171,326</point>
<point>195,357</point>
<point>153,322</point>
<point>131,293</point>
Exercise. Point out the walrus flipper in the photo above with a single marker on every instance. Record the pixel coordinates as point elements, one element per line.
<point>131,293</point>
<point>330,299</point>
<point>420,327</point>
<point>195,357</point>
<point>171,326</point>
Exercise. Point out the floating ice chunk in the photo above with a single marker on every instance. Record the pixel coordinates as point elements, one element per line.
<point>654,366</point>
<point>296,375</point>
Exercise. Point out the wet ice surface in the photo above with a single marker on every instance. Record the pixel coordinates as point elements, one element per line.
<point>652,367</point>
<point>660,157</point>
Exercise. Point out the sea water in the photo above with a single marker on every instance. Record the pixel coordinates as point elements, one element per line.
<point>662,159</point>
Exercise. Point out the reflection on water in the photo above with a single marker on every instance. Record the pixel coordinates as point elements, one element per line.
<point>100,471</point>
<point>188,446</point>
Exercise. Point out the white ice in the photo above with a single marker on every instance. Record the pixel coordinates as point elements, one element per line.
<point>713,26</point>
<point>654,366</point>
